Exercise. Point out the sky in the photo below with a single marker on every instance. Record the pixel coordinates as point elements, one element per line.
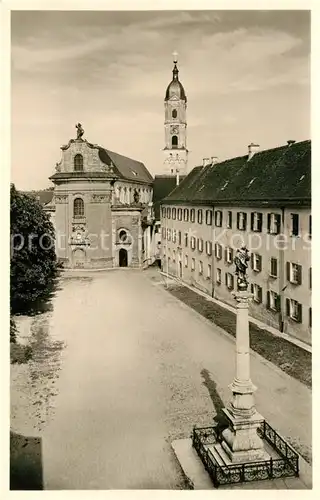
<point>246,75</point>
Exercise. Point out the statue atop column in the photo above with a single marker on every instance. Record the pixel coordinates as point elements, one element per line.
<point>80,131</point>
<point>241,262</point>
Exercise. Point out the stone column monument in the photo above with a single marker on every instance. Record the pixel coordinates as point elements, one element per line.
<point>240,440</point>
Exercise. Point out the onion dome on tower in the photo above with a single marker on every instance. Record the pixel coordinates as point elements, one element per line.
<point>175,87</point>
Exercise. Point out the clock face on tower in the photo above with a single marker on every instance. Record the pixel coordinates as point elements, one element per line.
<point>174,129</point>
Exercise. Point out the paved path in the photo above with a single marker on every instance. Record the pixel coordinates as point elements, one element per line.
<point>140,368</point>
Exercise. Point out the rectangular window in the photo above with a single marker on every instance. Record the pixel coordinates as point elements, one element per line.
<point>229,220</point>
<point>173,256</point>
<point>186,261</point>
<point>294,273</point>
<point>200,216</point>
<point>168,213</point>
<point>179,237</point>
<point>164,233</point>
<point>294,225</point>
<point>192,215</point>
<point>200,244</point>
<point>218,251</point>
<point>229,281</point>
<point>229,255</point>
<point>256,222</point>
<point>256,262</point>
<point>163,212</point>
<point>310,278</point>
<point>218,218</point>
<point>273,301</point>
<point>200,267</point>
<point>218,276</point>
<point>174,213</point>
<point>169,234</point>
<point>179,213</point>
<point>310,226</point>
<point>208,248</point>
<point>193,242</point>
<point>208,217</point>
<point>257,293</point>
<point>241,221</point>
<point>186,215</point>
<point>310,317</point>
<point>193,264</point>
<point>186,239</point>
<point>274,223</point>
<point>273,267</point>
<point>174,235</point>
<point>294,310</point>
<point>209,272</point>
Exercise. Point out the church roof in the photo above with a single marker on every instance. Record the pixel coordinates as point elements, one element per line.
<point>127,168</point>
<point>44,196</point>
<point>273,176</point>
<point>175,87</point>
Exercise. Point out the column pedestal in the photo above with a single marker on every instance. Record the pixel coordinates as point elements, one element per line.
<point>240,440</point>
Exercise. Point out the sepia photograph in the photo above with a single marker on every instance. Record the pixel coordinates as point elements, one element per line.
<point>160,250</point>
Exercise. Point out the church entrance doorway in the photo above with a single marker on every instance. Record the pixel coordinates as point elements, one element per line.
<point>123,257</point>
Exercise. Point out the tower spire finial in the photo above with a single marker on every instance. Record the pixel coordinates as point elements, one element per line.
<point>175,56</point>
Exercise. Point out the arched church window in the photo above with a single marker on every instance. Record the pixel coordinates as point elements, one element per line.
<point>78,163</point>
<point>174,113</point>
<point>174,141</point>
<point>78,207</point>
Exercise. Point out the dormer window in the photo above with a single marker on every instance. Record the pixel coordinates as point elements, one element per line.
<point>78,163</point>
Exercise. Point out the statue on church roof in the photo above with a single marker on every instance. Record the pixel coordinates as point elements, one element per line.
<point>80,131</point>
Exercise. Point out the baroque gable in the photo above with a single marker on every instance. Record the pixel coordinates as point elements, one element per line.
<point>90,157</point>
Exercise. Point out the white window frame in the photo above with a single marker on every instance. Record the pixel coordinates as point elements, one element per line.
<point>209,272</point>
<point>200,267</point>
<point>208,247</point>
<point>230,280</point>
<point>218,218</point>
<point>218,275</point>
<point>255,221</point>
<point>200,244</point>
<point>256,258</point>
<point>294,269</point>
<point>273,297</point>
<point>229,255</point>
<point>186,261</point>
<point>294,306</point>
<point>270,267</point>
<point>241,221</point>
<point>173,255</point>
<point>174,235</point>
<point>193,242</point>
<point>256,289</point>
<point>218,251</point>
<point>193,264</point>
<point>273,223</point>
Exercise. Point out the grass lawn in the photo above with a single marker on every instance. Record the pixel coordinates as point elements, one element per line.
<point>290,358</point>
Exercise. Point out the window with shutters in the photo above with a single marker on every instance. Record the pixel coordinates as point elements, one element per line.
<point>174,213</point>
<point>273,301</point>
<point>294,273</point>
<point>294,310</point>
<point>208,248</point>
<point>200,267</point>
<point>192,215</point>
<point>257,293</point>
<point>294,224</point>
<point>274,222</point>
<point>193,242</point>
<point>229,220</point>
<point>229,255</point>
<point>229,281</point>
<point>179,213</point>
<point>200,216</point>
<point>186,261</point>
<point>186,215</point>
<point>241,221</point>
<point>218,218</point>
<point>209,272</point>
<point>186,239</point>
<point>179,238</point>
<point>78,208</point>
<point>200,244</point>
<point>208,217</point>
<point>193,264</point>
<point>273,271</point>
<point>256,222</point>
<point>168,213</point>
<point>218,251</point>
<point>218,276</point>
<point>256,262</point>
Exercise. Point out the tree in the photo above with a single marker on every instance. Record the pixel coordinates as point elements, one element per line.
<point>33,266</point>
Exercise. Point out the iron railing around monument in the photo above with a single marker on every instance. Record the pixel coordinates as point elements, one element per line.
<point>286,466</point>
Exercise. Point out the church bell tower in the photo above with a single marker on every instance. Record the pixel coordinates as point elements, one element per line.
<point>175,126</point>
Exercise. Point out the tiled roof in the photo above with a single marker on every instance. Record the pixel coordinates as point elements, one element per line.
<point>44,196</point>
<point>127,168</point>
<point>162,186</point>
<point>282,174</point>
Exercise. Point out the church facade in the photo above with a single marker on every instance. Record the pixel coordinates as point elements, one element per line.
<point>99,203</point>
